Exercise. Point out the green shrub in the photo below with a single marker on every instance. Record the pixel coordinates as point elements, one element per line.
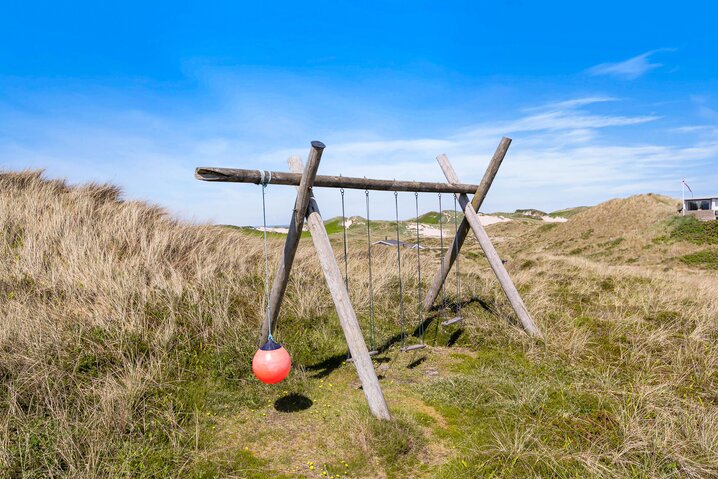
<point>587,234</point>
<point>707,259</point>
<point>613,243</point>
<point>547,227</point>
<point>688,228</point>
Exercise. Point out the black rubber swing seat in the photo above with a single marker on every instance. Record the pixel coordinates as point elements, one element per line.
<point>371,353</point>
<point>451,321</point>
<point>413,347</point>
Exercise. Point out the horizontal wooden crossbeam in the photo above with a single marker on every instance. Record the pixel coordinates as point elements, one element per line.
<point>236,175</point>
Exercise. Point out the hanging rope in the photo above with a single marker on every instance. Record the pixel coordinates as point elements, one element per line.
<point>401,283</point>
<point>346,255</point>
<point>418,270</point>
<point>371,285</point>
<point>441,248</point>
<point>458,275</point>
<point>264,180</point>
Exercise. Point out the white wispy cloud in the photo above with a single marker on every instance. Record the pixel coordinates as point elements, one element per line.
<point>573,103</point>
<point>564,154</point>
<point>629,69</point>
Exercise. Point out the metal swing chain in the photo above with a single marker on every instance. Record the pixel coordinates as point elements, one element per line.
<point>458,274</point>
<point>418,269</point>
<point>441,248</point>
<point>346,254</point>
<point>371,285</point>
<point>401,284</point>
<point>266,255</point>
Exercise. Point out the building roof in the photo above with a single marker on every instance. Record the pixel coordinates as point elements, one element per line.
<point>701,198</point>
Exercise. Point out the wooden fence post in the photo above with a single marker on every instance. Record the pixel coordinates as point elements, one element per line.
<point>503,276</point>
<point>345,311</point>
<point>281,278</point>
<point>448,260</point>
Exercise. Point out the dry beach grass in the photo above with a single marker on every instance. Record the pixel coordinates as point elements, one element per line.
<point>126,338</point>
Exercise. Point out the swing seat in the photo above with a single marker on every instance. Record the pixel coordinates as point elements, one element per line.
<point>371,353</point>
<point>451,321</point>
<point>413,347</point>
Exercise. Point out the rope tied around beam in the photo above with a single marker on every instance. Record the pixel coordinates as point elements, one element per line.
<point>265,177</point>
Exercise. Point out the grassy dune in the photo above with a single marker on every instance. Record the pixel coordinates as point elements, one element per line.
<point>127,336</point>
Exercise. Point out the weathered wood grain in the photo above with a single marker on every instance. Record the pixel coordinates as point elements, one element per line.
<point>450,256</point>
<point>281,277</point>
<point>345,311</point>
<point>491,255</point>
<point>236,175</point>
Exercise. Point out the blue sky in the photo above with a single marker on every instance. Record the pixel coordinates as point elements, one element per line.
<point>602,99</point>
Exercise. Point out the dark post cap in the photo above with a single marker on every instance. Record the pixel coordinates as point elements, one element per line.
<point>270,345</point>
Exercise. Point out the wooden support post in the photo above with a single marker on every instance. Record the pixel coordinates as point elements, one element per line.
<point>503,276</point>
<point>448,260</point>
<point>296,225</point>
<point>345,311</point>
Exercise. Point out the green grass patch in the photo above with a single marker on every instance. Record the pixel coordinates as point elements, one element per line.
<point>252,231</point>
<point>707,259</point>
<point>236,463</point>
<point>547,227</point>
<point>430,218</point>
<point>579,250</point>
<point>334,226</point>
<point>531,212</point>
<point>504,410</point>
<point>435,217</point>
<point>612,243</point>
<point>688,228</point>
<point>568,212</point>
<point>395,442</point>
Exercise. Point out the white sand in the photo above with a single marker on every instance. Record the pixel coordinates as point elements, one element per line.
<point>490,219</point>
<point>273,229</point>
<point>551,219</point>
<point>431,231</point>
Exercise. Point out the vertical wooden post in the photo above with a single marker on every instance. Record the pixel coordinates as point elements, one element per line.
<point>345,311</point>
<point>503,276</point>
<point>448,260</point>
<point>281,278</point>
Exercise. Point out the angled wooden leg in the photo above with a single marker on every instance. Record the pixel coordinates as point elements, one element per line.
<point>448,261</point>
<point>503,276</point>
<point>296,224</point>
<point>345,311</point>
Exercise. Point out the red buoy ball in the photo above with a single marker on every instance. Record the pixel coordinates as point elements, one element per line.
<point>271,363</point>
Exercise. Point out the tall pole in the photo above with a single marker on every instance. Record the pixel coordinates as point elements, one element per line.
<point>683,197</point>
<point>347,317</point>
<point>463,230</point>
<point>491,255</point>
<point>284,267</point>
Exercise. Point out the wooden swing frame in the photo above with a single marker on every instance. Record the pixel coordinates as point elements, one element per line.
<point>305,207</point>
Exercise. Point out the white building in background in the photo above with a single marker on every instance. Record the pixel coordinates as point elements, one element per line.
<point>702,208</point>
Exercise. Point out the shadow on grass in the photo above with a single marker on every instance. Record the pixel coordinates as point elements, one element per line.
<point>325,367</point>
<point>416,363</point>
<point>454,337</point>
<point>454,306</point>
<point>293,403</point>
